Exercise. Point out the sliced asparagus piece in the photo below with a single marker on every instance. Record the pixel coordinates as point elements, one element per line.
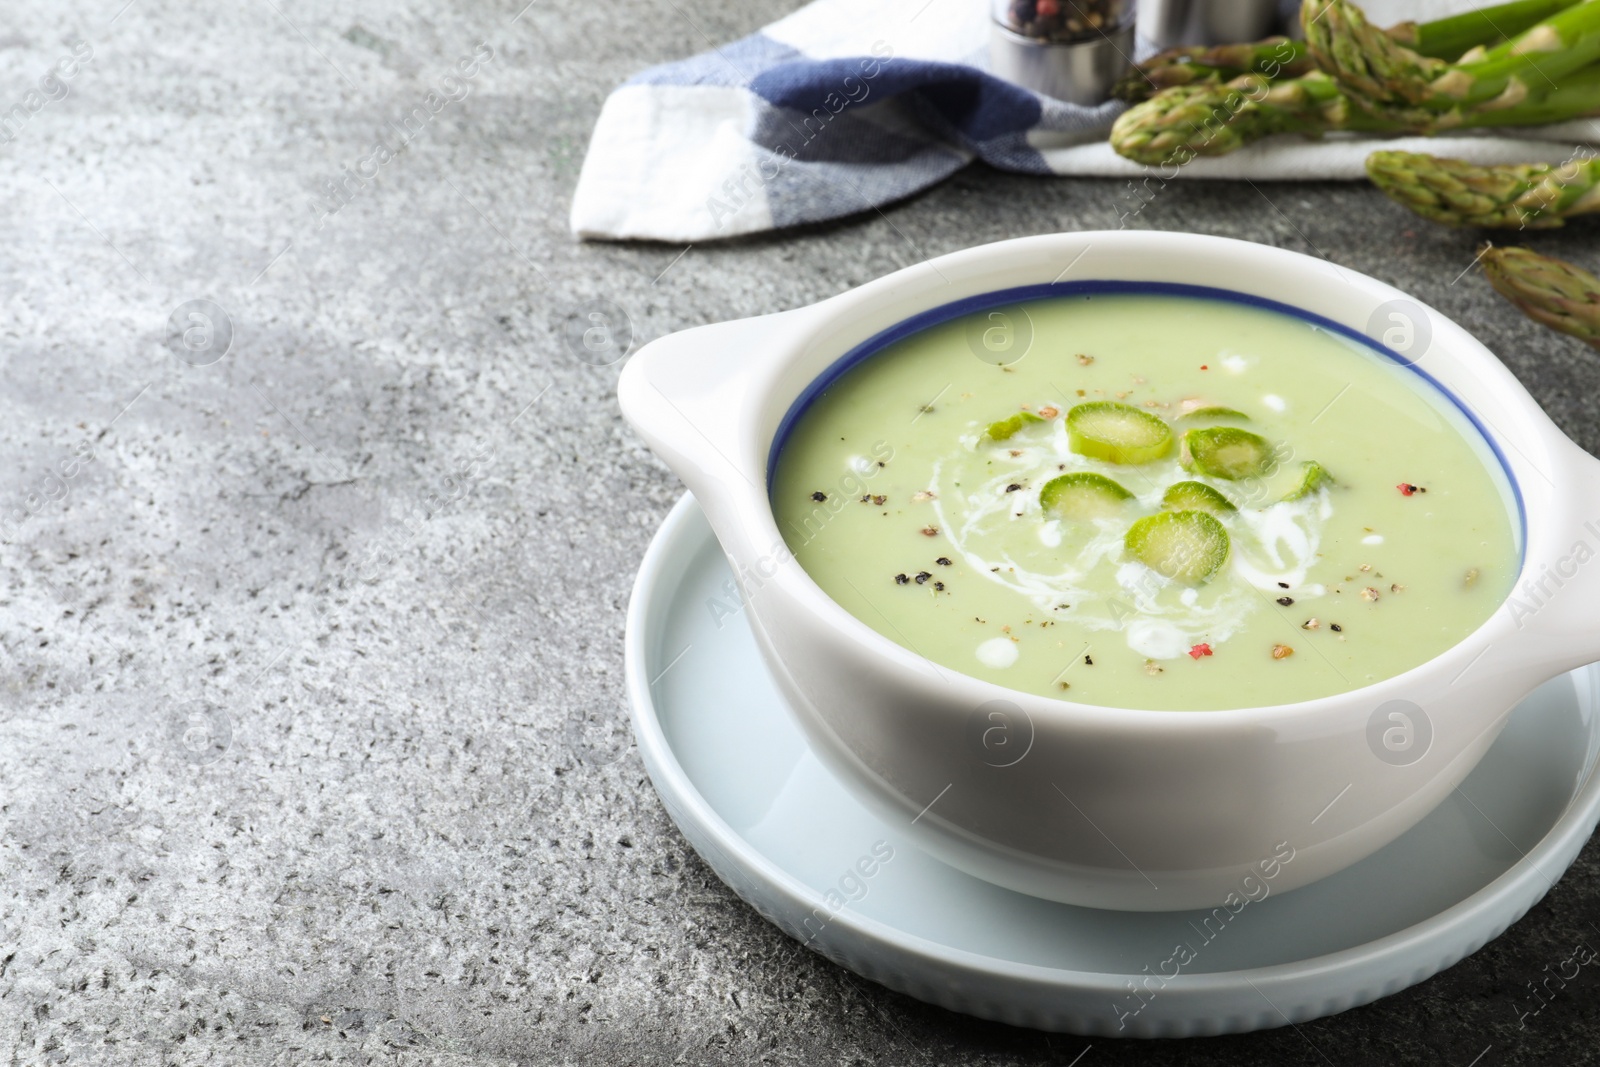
<point>1082,496</point>
<point>1225,452</point>
<point>1551,291</point>
<point>1005,428</point>
<point>1511,196</point>
<point>1214,414</point>
<point>1195,496</point>
<point>1117,433</point>
<point>1314,477</point>
<point>1186,546</point>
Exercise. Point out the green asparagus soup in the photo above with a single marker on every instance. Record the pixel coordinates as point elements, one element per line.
<point>1168,502</point>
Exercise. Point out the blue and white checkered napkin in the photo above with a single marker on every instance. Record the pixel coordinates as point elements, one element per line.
<point>847,105</point>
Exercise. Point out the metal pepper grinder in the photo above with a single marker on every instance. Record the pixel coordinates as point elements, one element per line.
<point>1072,50</point>
<point>1170,23</point>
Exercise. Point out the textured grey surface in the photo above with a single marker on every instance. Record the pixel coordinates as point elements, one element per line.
<point>312,747</point>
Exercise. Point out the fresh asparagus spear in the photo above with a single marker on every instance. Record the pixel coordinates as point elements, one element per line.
<point>1514,196</point>
<point>1173,127</point>
<point>1361,58</point>
<point>1279,57</point>
<point>1378,70</point>
<point>1274,57</point>
<point>1551,291</point>
<point>1450,38</point>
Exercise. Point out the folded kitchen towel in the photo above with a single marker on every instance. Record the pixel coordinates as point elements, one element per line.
<point>847,105</point>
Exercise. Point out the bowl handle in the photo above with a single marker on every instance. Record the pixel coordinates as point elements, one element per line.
<point>691,396</point>
<point>1556,605</point>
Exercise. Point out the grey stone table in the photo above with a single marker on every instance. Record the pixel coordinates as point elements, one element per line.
<point>312,747</point>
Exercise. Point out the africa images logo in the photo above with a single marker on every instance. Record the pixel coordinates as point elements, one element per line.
<point>1253,887</point>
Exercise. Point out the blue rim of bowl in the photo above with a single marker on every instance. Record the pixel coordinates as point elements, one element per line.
<point>1019,294</point>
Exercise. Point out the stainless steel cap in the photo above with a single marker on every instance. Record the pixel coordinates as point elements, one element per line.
<point>1169,23</point>
<point>1079,72</point>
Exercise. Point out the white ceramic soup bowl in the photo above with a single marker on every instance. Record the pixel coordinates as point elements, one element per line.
<point>1100,806</point>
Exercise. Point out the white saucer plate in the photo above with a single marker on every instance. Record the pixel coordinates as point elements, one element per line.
<point>736,776</point>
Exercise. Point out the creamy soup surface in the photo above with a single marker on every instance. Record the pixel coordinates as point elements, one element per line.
<point>1168,502</point>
